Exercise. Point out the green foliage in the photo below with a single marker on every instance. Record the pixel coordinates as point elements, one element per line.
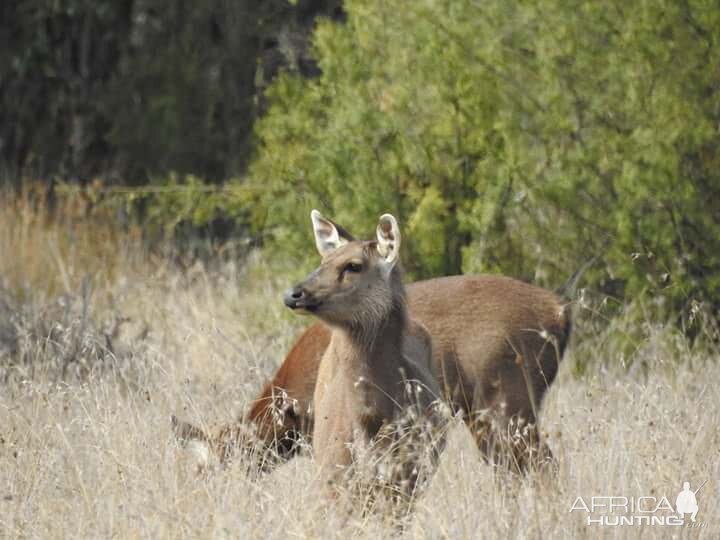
<point>519,137</point>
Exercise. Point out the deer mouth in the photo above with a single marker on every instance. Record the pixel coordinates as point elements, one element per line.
<point>301,304</point>
<point>310,308</point>
<point>304,308</point>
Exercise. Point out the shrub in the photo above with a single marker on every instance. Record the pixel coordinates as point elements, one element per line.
<point>520,138</point>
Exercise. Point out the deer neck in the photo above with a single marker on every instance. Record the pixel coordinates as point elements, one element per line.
<point>371,348</point>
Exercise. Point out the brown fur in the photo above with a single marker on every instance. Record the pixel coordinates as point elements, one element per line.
<point>488,340</point>
<point>497,346</point>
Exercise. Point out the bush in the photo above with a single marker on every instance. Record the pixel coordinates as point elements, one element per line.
<point>515,138</point>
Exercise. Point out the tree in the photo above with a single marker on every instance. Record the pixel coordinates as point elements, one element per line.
<point>520,138</point>
<point>136,89</point>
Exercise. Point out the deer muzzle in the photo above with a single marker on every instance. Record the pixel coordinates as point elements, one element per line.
<point>298,298</point>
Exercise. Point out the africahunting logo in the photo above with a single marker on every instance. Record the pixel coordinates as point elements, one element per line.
<point>616,511</point>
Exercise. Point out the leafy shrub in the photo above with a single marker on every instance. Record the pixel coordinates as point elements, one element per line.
<point>520,138</point>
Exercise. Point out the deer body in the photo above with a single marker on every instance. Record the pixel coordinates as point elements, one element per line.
<point>498,341</point>
<point>359,389</point>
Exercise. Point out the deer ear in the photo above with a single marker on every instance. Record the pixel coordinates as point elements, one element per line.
<point>327,236</point>
<point>388,239</point>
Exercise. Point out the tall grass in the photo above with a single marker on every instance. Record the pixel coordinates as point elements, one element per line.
<point>89,452</point>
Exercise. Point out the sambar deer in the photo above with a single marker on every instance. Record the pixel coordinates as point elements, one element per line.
<point>376,372</point>
<point>497,345</point>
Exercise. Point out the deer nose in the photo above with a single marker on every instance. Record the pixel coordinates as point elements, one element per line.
<point>293,297</point>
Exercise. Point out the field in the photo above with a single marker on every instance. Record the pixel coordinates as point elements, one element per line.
<point>100,342</point>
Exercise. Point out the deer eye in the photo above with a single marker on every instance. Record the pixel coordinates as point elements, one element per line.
<point>353,267</point>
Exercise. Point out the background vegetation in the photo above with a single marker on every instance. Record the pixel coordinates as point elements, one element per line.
<point>133,89</point>
<point>522,138</point>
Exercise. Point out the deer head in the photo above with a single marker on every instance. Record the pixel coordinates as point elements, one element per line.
<point>357,282</point>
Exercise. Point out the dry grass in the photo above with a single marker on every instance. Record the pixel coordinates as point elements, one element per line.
<point>91,455</point>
